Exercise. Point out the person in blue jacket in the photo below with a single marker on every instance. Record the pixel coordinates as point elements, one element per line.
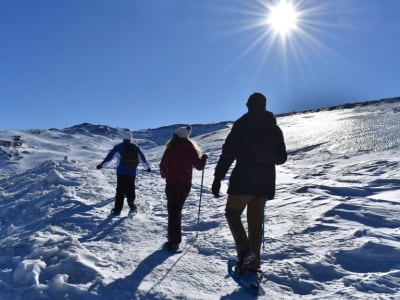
<point>126,172</point>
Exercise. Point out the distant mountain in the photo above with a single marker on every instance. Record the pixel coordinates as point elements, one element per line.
<point>347,105</point>
<point>39,144</point>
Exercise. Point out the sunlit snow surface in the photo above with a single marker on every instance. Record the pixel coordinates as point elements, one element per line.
<point>331,233</point>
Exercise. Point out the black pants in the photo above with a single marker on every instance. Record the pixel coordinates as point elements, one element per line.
<point>176,196</point>
<point>125,187</point>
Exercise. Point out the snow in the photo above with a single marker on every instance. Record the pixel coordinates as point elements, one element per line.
<point>331,233</point>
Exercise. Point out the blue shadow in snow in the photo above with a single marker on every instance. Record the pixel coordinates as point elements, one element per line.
<point>128,286</point>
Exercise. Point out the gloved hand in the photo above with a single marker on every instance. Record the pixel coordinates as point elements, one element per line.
<point>148,170</point>
<point>98,167</point>
<point>204,157</point>
<point>216,186</point>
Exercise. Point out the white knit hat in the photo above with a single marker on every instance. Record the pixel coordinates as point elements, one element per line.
<point>127,136</point>
<point>183,132</point>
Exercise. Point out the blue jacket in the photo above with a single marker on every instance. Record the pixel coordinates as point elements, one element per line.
<point>117,151</point>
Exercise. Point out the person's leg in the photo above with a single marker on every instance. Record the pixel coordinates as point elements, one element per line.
<point>255,211</point>
<point>130,192</point>
<point>120,194</point>
<point>234,208</point>
<point>176,196</point>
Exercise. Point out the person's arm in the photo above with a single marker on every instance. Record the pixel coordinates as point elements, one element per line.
<point>143,160</point>
<point>228,154</point>
<point>199,163</point>
<point>164,165</point>
<point>281,153</point>
<point>108,158</point>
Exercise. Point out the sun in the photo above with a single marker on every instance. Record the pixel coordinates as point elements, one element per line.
<point>283,18</point>
<point>283,29</point>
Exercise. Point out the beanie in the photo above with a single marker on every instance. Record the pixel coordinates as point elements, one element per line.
<point>183,132</point>
<point>256,101</point>
<point>127,136</point>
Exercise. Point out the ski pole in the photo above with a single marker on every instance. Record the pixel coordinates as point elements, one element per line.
<point>263,230</point>
<point>201,192</point>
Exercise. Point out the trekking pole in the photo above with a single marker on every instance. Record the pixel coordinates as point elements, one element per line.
<point>263,230</point>
<point>201,192</point>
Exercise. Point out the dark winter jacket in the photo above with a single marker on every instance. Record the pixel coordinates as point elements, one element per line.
<point>122,170</point>
<point>178,160</point>
<point>257,144</point>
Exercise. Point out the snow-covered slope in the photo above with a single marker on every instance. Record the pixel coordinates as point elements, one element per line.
<point>331,233</point>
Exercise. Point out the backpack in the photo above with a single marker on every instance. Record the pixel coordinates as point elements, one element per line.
<point>262,144</point>
<point>260,147</point>
<point>129,156</point>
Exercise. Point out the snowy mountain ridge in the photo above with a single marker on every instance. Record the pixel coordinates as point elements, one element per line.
<point>12,141</point>
<point>331,233</point>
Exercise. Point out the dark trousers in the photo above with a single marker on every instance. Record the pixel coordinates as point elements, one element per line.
<point>125,187</point>
<point>235,206</point>
<point>176,196</point>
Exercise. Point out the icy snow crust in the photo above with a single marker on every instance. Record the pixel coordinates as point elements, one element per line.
<point>331,233</point>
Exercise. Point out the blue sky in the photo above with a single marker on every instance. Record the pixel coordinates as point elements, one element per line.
<point>148,63</point>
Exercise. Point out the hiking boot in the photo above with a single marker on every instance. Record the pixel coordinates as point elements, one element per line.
<point>132,212</point>
<point>248,259</point>
<point>257,274</point>
<point>244,263</point>
<point>171,246</point>
<point>133,207</point>
<point>115,213</point>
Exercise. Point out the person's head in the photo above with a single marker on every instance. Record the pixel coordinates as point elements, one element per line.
<point>127,136</point>
<point>256,102</point>
<point>181,135</point>
<point>183,132</point>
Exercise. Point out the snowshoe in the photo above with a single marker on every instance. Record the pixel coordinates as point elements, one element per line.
<point>250,281</point>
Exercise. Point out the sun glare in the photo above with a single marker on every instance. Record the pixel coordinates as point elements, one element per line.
<point>283,18</point>
<point>284,29</point>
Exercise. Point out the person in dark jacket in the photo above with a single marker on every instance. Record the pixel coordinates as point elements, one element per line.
<point>257,144</point>
<point>179,158</point>
<point>126,175</point>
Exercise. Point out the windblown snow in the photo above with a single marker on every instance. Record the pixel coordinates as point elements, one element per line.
<point>331,233</point>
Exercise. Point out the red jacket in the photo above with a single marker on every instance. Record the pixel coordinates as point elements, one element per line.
<point>178,161</point>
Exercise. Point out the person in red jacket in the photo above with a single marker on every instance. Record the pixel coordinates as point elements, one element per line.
<point>180,156</point>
